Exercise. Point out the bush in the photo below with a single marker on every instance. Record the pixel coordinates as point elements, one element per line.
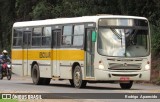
<point>155,36</point>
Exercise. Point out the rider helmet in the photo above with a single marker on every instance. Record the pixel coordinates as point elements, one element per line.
<point>5,52</point>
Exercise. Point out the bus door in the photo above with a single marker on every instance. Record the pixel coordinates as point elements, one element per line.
<point>54,50</point>
<point>26,45</point>
<point>89,53</point>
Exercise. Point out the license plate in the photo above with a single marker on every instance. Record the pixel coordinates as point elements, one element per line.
<point>124,78</point>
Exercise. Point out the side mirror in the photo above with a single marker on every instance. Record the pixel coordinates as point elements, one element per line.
<point>94,36</point>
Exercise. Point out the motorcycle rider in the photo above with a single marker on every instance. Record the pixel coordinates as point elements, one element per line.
<point>4,57</point>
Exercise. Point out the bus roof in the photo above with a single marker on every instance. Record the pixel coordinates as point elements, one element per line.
<point>69,20</point>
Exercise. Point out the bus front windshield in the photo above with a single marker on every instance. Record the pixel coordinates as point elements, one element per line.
<point>123,37</point>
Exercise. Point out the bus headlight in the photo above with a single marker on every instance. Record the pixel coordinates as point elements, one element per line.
<point>147,67</point>
<point>101,66</point>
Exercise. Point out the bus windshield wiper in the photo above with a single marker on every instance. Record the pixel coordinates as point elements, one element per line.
<point>119,36</point>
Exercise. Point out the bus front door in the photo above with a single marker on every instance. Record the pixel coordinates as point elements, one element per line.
<point>26,44</point>
<point>89,53</point>
<point>55,55</point>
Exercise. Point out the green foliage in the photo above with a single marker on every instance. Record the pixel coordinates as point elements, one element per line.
<point>155,34</point>
<point>9,100</point>
<point>6,20</point>
<point>42,10</point>
<point>22,10</point>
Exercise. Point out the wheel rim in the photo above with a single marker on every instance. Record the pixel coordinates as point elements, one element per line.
<point>77,78</point>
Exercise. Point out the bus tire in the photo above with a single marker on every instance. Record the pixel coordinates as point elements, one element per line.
<point>77,78</point>
<point>36,75</point>
<point>126,85</point>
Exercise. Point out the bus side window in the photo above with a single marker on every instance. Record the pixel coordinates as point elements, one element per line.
<point>36,36</point>
<point>67,35</point>
<point>17,38</point>
<point>46,37</point>
<point>78,35</point>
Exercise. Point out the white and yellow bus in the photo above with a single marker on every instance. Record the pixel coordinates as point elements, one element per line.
<point>104,48</point>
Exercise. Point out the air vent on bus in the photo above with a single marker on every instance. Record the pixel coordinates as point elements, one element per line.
<point>129,75</point>
<point>119,66</point>
<point>113,59</point>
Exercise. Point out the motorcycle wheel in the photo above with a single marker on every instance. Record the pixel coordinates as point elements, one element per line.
<point>9,75</point>
<point>1,76</point>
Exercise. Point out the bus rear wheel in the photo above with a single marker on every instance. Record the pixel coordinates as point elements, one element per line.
<point>36,75</point>
<point>77,78</point>
<point>126,85</point>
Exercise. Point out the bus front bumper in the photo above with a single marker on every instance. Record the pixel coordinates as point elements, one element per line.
<point>104,75</point>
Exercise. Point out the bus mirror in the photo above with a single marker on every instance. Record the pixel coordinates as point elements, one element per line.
<point>93,36</point>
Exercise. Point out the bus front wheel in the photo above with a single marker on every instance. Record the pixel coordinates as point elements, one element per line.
<point>36,75</point>
<point>126,85</point>
<point>77,78</point>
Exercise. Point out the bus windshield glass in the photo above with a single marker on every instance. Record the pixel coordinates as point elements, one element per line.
<point>123,37</point>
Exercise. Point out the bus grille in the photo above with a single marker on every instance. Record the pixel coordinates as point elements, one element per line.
<point>119,66</point>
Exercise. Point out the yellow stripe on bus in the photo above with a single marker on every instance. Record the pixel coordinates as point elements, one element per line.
<point>48,55</point>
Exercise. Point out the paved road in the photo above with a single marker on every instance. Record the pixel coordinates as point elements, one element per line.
<point>24,85</point>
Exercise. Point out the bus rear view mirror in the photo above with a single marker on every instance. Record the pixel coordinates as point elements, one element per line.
<point>93,36</point>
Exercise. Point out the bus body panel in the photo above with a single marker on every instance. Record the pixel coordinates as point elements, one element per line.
<point>64,61</point>
<point>58,62</point>
<point>17,67</point>
<point>104,75</point>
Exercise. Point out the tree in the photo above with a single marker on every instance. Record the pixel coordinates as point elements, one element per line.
<point>23,9</point>
<point>42,10</point>
<point>6,20</point>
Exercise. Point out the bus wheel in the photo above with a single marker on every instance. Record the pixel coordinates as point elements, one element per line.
<point>77,78</point>
<point>36,75</point>
<point>126,85</point>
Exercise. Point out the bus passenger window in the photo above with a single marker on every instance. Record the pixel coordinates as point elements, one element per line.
<point>36,41</point>
<point>36,36</point>
<point>17,41</point>
<point>17,37</point>
<point>46,38</point>
<point>46,41</point>
<point>37,31</point>
<point>78,35</point>
<point>67,35</point>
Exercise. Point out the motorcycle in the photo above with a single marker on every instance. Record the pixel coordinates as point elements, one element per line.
<point>6,70</point>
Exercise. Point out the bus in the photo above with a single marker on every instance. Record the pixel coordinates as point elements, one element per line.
<point>87,49</point>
